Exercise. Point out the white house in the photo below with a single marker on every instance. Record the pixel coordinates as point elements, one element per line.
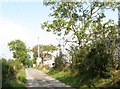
<point>38,61</point>
<point>49,62</point>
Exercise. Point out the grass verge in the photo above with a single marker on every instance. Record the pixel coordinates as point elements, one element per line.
<point>22,77</point>
<point>19,83</point>
<point>84,80</point>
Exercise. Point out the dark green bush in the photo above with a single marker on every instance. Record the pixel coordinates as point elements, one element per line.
<point>10,70</point>
<point>106,74</point>
<point>7,71</point>
<point>22,79</point>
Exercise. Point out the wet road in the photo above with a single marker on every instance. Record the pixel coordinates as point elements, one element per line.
<point>35,78</point>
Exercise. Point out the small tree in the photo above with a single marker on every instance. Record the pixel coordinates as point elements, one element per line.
<point>20,52</point>
<point>44,51</point>
<point>60,61</point>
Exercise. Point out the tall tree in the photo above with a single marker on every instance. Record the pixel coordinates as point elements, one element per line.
<point>20,52</point>
<point>44,51</point>
<point>76,17</point>
<point>85,21</point>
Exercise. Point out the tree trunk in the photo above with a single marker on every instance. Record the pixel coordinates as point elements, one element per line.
<point>42,61</point>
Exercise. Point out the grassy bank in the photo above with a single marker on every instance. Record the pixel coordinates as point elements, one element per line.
<point>43,68</point>
<point>84,80</point>
<point>22,77</point>
<point>19,83</point>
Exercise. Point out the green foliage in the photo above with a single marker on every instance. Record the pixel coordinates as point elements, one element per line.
<point>22,76</point>
<point>74,16</point>
<point>19,50</point>
<point>7,71</point>
<point>78,57</point>
<point>43,67</point>
<point>94,42</point>
<point>16,65</point>
<point>98,59</point>
<point>85,81</point>
<point>34,60</point>
<point>44,51</point>
<point>28,62</point>
<point>58,63</point>
<point>10,71</point>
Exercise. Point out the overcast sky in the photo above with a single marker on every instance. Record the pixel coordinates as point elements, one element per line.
<point>21,20</point>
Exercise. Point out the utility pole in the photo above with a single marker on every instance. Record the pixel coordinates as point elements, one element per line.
<point>38,58</point>
<point>38,49</point>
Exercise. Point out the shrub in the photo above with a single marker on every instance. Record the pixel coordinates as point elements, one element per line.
<point>22,79</point>
<point>10,70</point>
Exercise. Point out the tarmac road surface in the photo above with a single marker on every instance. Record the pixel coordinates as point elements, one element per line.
<point>36,78</point>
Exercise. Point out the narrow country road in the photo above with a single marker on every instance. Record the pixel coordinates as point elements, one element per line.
<point>35,78</point>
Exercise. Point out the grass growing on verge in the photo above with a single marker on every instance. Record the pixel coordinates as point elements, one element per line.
<point>22,77</point>
<point>84,81</point>
<point>19,83</point>
<point>43,68</point>
<point>65,77</point>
